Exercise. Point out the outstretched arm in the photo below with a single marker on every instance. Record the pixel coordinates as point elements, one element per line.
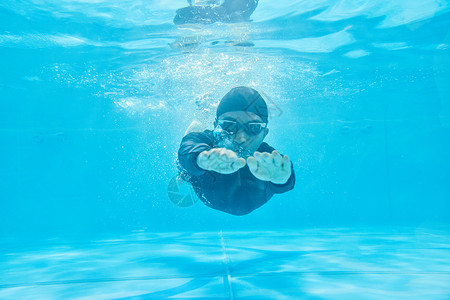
<point>220,160</point>
<point>191,146</point>
<point>274,187</point>
<point>197,154</point>
<point>270,167</point>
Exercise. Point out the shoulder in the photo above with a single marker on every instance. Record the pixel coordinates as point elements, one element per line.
<point>205,136</point>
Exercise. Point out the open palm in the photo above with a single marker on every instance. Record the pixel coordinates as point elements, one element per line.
<point>270,166</point>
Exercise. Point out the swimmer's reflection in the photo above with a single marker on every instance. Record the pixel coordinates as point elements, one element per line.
<point>203,12</point>
<point>211,11</point>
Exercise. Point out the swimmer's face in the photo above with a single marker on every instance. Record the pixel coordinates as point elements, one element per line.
<point>246,130</point>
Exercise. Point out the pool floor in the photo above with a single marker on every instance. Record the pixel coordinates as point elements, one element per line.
<point>343,263</point>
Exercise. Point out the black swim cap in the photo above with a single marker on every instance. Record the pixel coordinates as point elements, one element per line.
<point>243,99</point>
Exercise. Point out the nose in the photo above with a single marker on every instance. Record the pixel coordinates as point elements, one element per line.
<point>240,137</point>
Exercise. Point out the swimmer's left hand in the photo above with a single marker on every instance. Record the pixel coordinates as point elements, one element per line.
<point>270,167</point>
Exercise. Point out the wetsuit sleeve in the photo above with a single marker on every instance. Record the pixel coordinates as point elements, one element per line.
<point>279,188</point>
<point>191,146</point>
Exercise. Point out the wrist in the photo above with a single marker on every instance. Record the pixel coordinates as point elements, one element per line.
<point>280,180</point>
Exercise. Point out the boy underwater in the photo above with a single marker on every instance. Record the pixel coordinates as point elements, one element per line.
<point>230,168</point>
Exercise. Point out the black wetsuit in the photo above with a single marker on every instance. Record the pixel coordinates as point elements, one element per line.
<point>231,11</point>
<point>238,193</point>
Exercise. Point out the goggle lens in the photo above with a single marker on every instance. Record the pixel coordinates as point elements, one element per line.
<point>232,127</point>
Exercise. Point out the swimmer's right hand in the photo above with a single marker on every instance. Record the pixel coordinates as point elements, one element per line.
<point>220,160</point>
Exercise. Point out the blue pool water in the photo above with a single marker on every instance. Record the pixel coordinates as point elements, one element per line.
<point>96,96</point>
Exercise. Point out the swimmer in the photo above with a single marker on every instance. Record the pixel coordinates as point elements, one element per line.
<point>230,168</point>
<point>211,11</point>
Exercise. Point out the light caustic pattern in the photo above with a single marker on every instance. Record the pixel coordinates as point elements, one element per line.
<point>339,263</point>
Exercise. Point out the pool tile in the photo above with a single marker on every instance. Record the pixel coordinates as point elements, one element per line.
<point>342,286</point>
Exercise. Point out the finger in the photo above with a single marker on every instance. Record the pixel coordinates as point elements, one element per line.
<point>203,155</point>
<point>266,157</point>
<point>256,154</point>
<point>238,163</point>
<point>252,164</point>
<point>214,153</point>
<point>260,156</point>
<point>228,157</point>
<point>220,152</point>
<point>277,159</point>
<point>286,162</point>
<point>231,154</point>
<point>275,153</point>
<point>223,155</point>
<point>241,161</point>
<point>260,159</point>
<point>202,159</point>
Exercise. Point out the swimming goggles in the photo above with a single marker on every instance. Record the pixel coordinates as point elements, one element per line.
<point>232,127</point>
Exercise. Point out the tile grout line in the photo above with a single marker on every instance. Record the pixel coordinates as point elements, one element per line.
<point>226,260</point>
<point>291,273</point>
